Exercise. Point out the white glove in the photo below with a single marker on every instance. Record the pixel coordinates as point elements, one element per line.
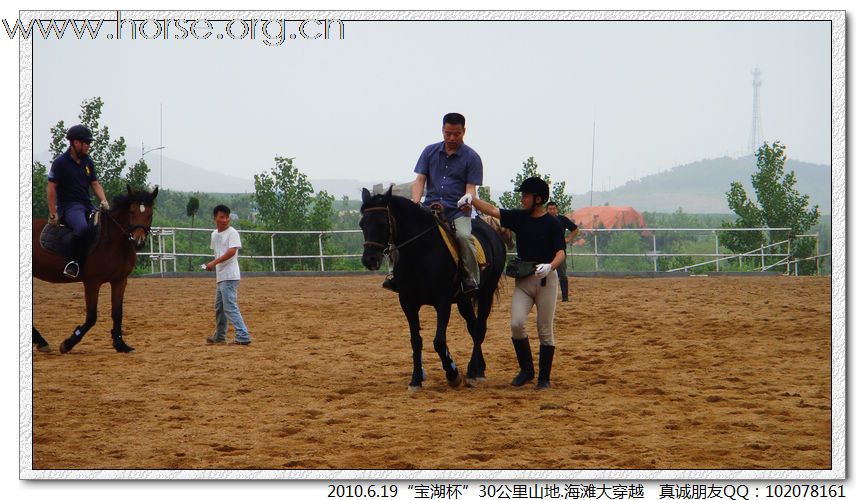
<point>542,270</point>
<point>104,205</point>
<point>465,200</point>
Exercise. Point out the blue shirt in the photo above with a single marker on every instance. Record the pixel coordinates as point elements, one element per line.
<point>447,176</point>
<point>72,179</point>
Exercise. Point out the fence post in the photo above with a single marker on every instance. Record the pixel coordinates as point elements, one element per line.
<point>655,250</point>
<point>595,237</point>
<point>762,259</point>
<point>717,253</point>
<point>152,269</point>
<point>174,249</point>
<point>272,253</point>
<point>788,258</point>
<point>817,252</point>
<point>321,250</point>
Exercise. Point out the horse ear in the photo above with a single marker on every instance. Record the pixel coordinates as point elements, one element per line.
<point>154,193</point>
<point>365,196</point>
<point>389,190</point>
<point>129,190</point>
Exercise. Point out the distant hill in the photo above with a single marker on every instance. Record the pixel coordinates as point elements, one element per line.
<point>701,187</point>
<point>698,187</point>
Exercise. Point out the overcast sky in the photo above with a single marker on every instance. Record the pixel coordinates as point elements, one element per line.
<point>659,93</point>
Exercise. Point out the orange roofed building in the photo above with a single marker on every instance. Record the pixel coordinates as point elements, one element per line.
<point>607,217</point>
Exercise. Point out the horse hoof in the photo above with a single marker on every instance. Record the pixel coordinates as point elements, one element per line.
<point>44,348</point>
<point>65,347</point>
<point>471,382</point>
<point>121,346</point>
<point>456,381</point>
<point>413,388</point>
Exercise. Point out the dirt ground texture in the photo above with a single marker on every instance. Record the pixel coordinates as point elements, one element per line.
<point>672,373</point>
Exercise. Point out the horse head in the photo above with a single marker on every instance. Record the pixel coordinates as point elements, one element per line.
<point>135,210</point>
<point>378,228</point>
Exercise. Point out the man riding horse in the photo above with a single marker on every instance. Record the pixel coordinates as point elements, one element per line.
<point>449,170</point>
<point>70,179</point>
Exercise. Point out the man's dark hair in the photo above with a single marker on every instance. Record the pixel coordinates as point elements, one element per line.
<point>551,203</point>
<point>221,208</point>
<point>454,119</point>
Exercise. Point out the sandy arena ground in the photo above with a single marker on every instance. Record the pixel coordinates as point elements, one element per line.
<point>674,373</point>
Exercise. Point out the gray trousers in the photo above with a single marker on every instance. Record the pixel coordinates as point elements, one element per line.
<point>527,293</point>
<point>466,245</point>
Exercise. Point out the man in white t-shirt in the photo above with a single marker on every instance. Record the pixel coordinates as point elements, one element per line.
<point>225,242</point>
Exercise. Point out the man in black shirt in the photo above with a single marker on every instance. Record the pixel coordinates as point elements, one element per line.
<point>539,240</point>
<point>566,225</point>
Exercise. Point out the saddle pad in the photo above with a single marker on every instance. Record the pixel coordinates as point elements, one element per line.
<point>58,239</point>
<point>451,244</point>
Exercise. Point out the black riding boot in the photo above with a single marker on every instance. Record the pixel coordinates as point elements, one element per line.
<point>545,365</point>
<point>563,284</point>
<point>79,252</point>
<point>524,358</point>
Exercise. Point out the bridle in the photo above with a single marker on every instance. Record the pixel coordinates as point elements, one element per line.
<point>131,229</point>
<point>391,247</point>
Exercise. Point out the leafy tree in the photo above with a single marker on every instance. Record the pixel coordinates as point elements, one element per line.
<point>136,177</point>
<point>530,169</point>
<point>484,194</point>
<point>191,209</point>
<point>286,202</point>
<point>778,204</point>
<point>39,201</point>
<point>108,156</point>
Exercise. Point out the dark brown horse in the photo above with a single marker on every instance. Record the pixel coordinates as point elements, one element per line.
<point>122,231</point>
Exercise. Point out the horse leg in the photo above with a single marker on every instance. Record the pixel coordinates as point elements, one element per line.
<point>467,311</point>
<point>91,299</point>
<point>411,314</point>
<point>485,305</point>
<point>117,290</point>
<point>40,342</point>
<point>443,314</point>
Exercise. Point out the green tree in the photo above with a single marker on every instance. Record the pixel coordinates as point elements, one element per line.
<point>108,156</point>
<point>778,204</point>
<point>39,201</point>
<point>136,177</point>
<point>286,202</point>
<point>191,209</point>
<point>484,194</point>
<point>511,200</point>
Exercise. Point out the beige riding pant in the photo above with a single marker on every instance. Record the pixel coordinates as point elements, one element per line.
<point>528,292</point>
<point>465,239</point>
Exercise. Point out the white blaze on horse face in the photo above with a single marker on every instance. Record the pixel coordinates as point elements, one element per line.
<point>141,208</point>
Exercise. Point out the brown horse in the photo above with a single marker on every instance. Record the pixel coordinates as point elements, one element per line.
<point>122,231</point>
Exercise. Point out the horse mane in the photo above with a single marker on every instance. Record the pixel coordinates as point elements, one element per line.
<point>122,201</point>
<point>400,203</point>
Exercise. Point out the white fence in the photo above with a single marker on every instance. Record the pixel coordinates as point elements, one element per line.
<point>163,253</point>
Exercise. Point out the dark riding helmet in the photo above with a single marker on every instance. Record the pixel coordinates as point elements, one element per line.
<point>535,186</point>
<point>79,133</point>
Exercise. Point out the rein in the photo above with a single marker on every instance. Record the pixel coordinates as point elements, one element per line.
<point>391,223</point>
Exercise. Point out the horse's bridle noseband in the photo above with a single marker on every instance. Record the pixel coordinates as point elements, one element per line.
<point>391,246</point>
<point>131,229</point>
<point>391,229</point>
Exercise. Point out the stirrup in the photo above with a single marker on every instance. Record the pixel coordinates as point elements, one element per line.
<point>71,270</point>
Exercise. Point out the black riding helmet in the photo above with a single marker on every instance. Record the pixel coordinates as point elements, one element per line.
<point>79,133</point>
<point>535,186</point>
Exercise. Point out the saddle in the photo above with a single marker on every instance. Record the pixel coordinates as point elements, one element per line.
<point>448,234</point>
<point>58,239</point>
